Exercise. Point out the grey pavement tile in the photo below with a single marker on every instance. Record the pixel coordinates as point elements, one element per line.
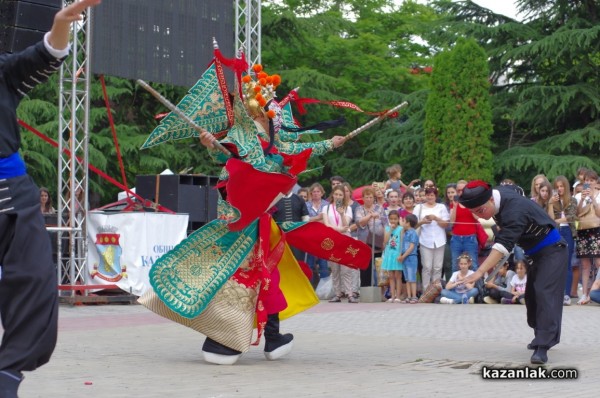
<point>340,350</point>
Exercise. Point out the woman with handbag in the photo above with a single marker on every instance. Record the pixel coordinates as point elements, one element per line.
<point>371,222</point>
<point>433,219</point>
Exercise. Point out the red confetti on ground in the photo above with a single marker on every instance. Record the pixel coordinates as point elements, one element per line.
<point>88,383</point>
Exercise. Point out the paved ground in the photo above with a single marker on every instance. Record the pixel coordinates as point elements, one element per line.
<point>341,350</point>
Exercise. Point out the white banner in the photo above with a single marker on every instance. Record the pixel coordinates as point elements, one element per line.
<point>123,246</point>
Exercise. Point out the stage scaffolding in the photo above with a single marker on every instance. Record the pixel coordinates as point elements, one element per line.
<point>73,139</point>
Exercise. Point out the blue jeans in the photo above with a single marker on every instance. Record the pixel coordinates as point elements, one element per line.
<point>464,244</point>
<point>322,263</point>
<point>457,297</point>
<point>595,295</point>
<point>567,235</point>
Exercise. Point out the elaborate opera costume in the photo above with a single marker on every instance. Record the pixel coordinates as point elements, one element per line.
<point>238,272</point>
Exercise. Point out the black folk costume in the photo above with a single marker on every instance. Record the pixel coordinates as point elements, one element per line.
<point>28,284</point>
<point>523,222</point>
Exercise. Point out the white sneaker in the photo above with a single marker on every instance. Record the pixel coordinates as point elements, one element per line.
<point>489,300</point>
<point>583,300</point>
<point>446,300</point>
<point>567,300</point>
<point>219,359</point>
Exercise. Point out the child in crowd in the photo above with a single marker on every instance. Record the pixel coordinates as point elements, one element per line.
<point>518,283</point>
<point>394,181</point>
<point>408,256</point>
<point>500,287</point>
<point>456,290</point>
<point>391,254</point>
<point>419,196</point>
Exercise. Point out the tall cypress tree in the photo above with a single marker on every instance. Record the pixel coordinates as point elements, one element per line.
<point>458,122</point>
<point>546,82</point>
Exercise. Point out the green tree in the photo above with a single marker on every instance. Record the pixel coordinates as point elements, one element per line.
<point>358,51</point>
<point>546,75</point>
<point>458,116</point>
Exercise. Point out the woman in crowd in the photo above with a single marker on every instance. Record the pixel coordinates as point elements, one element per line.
<point>354,205</point>
<point>46,201</point>
<point>393,201</point>
<point>449,202</point>
<point>544,194</point>
<point>535,185</point>
<point>315,212</point>
<point>562,208</point>
<point>588,230</point>
<point>379,194</point>
<point>371,222</point>
<point>464,233</point>
<point>338,215</point>
<point>408,202</point>
<point>433,219</point>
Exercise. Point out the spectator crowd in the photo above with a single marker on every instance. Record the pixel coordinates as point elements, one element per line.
<point>425,243</point>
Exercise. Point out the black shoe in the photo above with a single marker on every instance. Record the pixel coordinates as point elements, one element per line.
<point>540,356</point>
<point>219,354</point>
<point>9,383</point>
<point>276,344</point>
<point>278,347</point>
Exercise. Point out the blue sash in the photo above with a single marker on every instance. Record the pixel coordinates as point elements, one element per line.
<point>551,238</point>
<point>12,166</point>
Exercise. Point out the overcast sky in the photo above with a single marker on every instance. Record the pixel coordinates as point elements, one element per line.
<point>504,7</point>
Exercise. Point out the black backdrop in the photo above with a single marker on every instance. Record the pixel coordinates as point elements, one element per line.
<point>23,23</point>
<point>160,41</point>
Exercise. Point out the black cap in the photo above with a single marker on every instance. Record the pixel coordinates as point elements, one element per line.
<point>475,193</point>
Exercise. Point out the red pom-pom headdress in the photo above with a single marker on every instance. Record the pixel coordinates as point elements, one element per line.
<point>258,91</point>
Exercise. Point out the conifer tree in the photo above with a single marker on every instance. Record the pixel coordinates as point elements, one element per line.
<point>546,83</point>
<point>458,123</point>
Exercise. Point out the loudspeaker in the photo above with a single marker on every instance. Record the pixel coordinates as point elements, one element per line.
<point>23,23</point>
<point>190,194</point>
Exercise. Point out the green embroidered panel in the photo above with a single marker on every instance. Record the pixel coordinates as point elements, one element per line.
<point>188,277</point>
<point>204,104</point>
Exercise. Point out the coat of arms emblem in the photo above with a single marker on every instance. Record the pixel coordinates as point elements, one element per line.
<point>109,252</point>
